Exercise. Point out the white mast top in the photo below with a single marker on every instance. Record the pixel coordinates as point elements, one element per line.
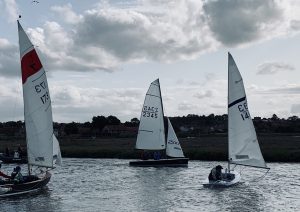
<point>243,145</point>
<point>151,134</point>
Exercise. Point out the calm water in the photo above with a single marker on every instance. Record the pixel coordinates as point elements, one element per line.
<point>111,185</point>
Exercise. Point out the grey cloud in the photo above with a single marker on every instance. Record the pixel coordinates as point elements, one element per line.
<point>295,109</point>
<point>9,59</point>
<point>235,22</point>
<point>132,36</point>
<point>284,90</point>
<point>186,106</point>
<point>295,25</point>
<point>203,94</point>
<point>273,68</point>
<point>105,37</point>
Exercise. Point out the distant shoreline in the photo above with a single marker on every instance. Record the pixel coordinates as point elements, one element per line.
<point>275,147</point>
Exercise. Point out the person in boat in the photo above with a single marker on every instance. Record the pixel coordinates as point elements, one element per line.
<point>16,176</point>
<point>2,175</point>
<point>7,152</point>
<point>156,155</point>
<point>20,151</point>
<point>216,173</point>
<point>144,155</point>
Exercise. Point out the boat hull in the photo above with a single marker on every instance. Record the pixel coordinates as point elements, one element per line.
<point>8,160</point>
<point>174,162</point>
<point>23,188</point>
<point>224,183</point>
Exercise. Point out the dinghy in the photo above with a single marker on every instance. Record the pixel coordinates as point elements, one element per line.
<point>243,146</point>
<point>14,158</point>
<point>43,150</point>
<point>151,134</point>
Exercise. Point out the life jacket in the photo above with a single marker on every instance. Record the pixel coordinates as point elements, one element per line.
<point>214,175</point>
<point>18,178</point>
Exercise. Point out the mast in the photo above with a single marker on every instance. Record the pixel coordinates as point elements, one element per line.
<point>28,165</point>
<point>228,111</point>
<point>163,115</point>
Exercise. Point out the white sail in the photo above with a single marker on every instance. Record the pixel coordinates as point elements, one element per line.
<point>173,146</point>
<point>37,105</point>
<point>151,135</point>
<point>242,140</point>
<point>56,152</point>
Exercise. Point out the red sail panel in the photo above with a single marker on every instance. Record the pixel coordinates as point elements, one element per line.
<point>30,64</point>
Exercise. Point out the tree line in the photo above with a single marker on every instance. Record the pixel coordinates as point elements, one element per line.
<point>190,125</point>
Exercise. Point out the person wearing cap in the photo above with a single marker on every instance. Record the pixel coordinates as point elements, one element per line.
<point>216,173</point>
<point>17,176</point>
<point>3,175</point>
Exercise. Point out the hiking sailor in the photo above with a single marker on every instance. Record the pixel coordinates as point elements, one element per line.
<point>216,173</point>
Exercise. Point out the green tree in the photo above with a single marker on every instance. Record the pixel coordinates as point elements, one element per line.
<point>71,128</point>
<point>112,120</point>
<point>98,122</point>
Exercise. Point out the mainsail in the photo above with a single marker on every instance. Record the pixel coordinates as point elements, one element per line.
<point>243,145</point>
<point>173,146</point>
<point>37,105</point>
<point>151,135</point>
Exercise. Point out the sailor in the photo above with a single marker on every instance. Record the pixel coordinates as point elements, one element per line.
<point>20,151</point>
<point>156,155</point>
<point>3,175</point>
<point>17,176</point>
<point>216,173</point>
<point>7,152</point>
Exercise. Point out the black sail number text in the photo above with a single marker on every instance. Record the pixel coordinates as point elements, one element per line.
<point>42,90</point>
<point>243,108</point>
<point>151,112</point>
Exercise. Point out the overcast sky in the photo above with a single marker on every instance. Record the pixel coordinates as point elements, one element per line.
<point>101,56</point>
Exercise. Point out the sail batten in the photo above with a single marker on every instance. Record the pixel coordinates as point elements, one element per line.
<point>243,145</point>
<point>151,134</point>
<point>37,105</point>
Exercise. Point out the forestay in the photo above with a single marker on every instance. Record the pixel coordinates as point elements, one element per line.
<point>37,105</point>
<point>56,152</point>
<point>151,135</point>
<point>243,144</point>
<point>173,146</point>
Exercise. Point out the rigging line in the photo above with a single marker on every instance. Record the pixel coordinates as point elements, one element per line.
<point>260,177</point>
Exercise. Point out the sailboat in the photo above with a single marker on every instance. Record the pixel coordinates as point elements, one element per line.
<point>243,146</point>
<point>151,134</point>
<point>43,151</point>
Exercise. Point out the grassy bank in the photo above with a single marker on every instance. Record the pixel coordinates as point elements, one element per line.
<point>275,147</point>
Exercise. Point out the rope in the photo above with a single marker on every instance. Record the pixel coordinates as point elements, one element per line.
<point>259,178</point>
<point>255,179</point>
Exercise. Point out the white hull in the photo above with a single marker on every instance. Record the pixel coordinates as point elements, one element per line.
<point>223,183</point>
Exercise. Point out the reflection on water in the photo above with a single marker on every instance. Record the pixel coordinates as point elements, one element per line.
<point>111,185</point>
